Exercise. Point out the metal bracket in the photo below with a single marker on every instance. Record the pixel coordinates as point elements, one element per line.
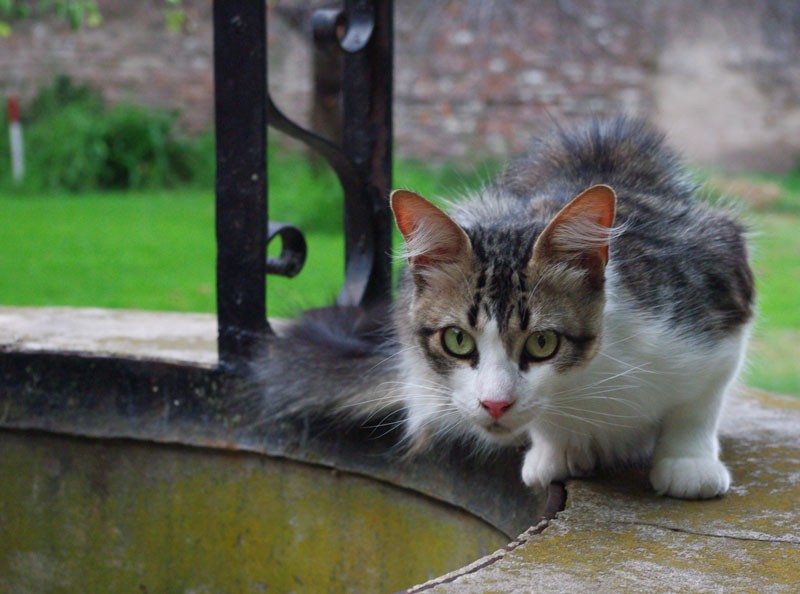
<point>293,250</point>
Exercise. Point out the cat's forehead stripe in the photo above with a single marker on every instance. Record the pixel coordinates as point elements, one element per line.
<point>507,288</point>
<point>524,314</point>
<point>503,256</point>
<point>474,310</point>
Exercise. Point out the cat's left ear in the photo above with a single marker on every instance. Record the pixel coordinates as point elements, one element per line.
<point>581,232</point>
<point>432,237</point>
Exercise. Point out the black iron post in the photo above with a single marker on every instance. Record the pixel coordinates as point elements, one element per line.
<point>367,99</point>
<point>240,71</point>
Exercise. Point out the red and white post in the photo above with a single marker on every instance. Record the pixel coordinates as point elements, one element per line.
<point>15,135</point>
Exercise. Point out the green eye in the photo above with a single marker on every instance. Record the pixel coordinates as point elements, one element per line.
<point>541,345</point>
<point>457,342</point>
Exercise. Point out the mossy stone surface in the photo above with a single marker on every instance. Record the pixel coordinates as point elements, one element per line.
<point>616,535</point>
<point>82,515</point>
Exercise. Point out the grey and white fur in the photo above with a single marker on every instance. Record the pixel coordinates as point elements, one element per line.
<point>585,304</point>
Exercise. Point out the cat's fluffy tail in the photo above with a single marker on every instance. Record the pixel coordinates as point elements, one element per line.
<point>334,363</point>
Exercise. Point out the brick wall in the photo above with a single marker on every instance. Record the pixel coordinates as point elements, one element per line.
<point>477,78</point>
<point>482,79</point>
<point>131,57</point>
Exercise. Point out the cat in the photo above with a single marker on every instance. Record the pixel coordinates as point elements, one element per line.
<point>585,303</point>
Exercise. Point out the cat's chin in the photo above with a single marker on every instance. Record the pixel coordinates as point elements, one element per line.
<point>499,434</point>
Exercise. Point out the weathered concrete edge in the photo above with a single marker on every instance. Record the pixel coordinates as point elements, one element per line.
<point>764,412</point>
<point>613,533</point>
<point>178,396</point>
<point>556,502</point>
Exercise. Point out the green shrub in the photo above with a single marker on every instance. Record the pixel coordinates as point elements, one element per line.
<point>62,92</point>
<point>65,150</point>
<point>142,151</point>
<point>74,143</point>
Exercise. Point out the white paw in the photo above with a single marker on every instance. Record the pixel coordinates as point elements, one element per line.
<point>690,478</point>
<point>542,466</point>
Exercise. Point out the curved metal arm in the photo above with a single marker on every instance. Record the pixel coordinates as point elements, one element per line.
<point>358,24</point>
<point>356,196</point>
<point>293,250</point>
<point>363,30</point>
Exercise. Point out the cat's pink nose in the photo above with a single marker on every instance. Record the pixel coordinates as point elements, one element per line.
<point>496,408</point>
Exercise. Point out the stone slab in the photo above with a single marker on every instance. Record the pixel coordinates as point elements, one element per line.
<point>616,535</point>
<point>181,337</point>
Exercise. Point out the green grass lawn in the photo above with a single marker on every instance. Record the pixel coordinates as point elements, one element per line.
<point>774,362</point>
<point>156,251</point>
<point>140,251</point>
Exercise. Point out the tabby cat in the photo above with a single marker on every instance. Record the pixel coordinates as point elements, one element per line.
<point>585,303</point>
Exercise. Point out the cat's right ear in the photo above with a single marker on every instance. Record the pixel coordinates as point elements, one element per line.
<point>432,238</point>
<point>581,232</point>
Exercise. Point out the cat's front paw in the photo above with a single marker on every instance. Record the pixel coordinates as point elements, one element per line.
<point>690,478</point>
<point>542,466</point>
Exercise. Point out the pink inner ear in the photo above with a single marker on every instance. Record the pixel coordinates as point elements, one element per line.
<point>431,236</point>
<point>408,208</point>
<point>582,228</point>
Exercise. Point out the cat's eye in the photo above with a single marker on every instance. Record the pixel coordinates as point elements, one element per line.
<point>541,345</point>
<point>457,342</point>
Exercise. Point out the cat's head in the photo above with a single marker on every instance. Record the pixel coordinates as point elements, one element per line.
<point>501,312</point>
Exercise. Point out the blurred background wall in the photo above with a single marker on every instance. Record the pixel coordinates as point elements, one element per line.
<point>476,78</point>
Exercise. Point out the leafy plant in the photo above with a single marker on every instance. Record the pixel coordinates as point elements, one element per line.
<point>74,143</point>
<point>65,150</point>
<point>62,92</point>
<point>141,150</point>
<point>174,16</point>
<point>75,12</point>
